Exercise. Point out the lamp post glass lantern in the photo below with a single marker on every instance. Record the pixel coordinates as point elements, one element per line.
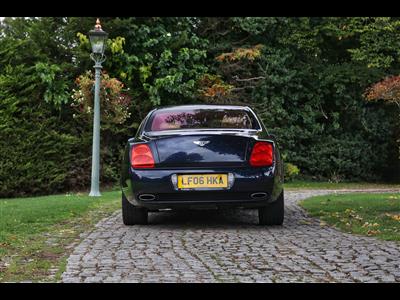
<point>98,41</point>
<point>97,38</point>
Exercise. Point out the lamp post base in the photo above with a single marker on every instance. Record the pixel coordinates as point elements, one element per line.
<point>94,194</point>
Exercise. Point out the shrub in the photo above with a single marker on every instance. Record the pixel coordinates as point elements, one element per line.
<point>114,100</point>
<point>291,171</point>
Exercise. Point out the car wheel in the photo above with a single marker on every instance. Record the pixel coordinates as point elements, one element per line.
<point>132,215</point>
<point>273,213</point>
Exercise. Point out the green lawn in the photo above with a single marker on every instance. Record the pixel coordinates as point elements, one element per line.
<point>299,184</point>
<point>367,214</point>
<point>35,232</point>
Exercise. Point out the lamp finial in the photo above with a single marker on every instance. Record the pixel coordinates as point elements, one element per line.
<point>98,25</point>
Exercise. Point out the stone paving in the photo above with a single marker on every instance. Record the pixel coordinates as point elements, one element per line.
<point>229,246</point>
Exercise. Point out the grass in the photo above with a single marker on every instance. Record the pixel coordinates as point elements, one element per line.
<point>36,233</point>
<point>366,214</point>
<point>299,184</point>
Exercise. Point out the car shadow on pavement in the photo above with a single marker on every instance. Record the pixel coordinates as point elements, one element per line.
<point>205,218</point>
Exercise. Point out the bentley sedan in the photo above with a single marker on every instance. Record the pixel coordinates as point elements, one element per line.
<point>202,157</point>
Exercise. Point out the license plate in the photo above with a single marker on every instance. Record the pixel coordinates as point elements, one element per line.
<point>194,181</point>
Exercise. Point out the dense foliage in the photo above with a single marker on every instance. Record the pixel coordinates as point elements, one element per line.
<point>306,77</point>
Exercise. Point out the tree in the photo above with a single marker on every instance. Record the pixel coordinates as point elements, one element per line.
<point>387,90</point>
<point>306,82</point>
<point>304,76</point>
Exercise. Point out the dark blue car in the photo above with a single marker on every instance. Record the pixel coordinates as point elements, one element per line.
<point>202,156</point>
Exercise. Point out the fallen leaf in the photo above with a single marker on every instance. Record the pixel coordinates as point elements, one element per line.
<point>393,217</point>
<point>372,232</point>
<point>305,222</point>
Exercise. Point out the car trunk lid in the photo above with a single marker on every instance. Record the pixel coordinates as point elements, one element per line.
<point>203,149</point>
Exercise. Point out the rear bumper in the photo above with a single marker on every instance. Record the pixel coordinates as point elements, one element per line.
<point>158,183</point>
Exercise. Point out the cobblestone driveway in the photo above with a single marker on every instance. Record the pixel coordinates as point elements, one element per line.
<point>210,246</point>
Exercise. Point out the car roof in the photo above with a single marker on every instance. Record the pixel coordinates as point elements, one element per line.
<point>203,106</point>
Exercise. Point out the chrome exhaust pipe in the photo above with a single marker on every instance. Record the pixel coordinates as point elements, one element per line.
<point>259,195</point>
<point>147,197</point>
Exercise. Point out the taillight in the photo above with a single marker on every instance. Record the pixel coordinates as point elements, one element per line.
<point>142,157</point>
<point>262,154</point>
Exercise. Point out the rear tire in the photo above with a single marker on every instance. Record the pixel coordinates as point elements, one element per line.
<point>273,213</point>
<point>132,215</point>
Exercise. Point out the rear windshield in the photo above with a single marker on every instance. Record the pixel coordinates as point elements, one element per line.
<point>201,118</point>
